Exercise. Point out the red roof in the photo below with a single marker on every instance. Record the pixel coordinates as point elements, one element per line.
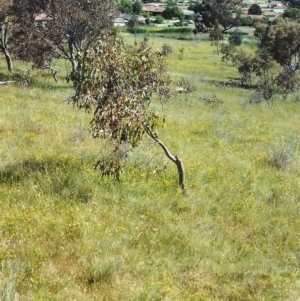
<point>153,9</point>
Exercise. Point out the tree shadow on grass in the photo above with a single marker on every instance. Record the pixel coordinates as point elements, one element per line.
<point>42,80</point>
<point>230,83</point>
<point>53,176</point>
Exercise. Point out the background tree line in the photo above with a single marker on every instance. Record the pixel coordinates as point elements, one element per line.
<point>274,67</point>
<point>65,28</point>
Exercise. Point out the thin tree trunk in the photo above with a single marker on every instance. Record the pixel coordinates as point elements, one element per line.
<point>8,59</point>
<point>181,174</point>
<point>175,159</point>
<point>72,54</point>
<point>73,63</point>
<point>3,46</point>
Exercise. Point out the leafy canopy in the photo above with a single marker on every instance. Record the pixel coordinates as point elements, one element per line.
<point>254,9</point>
<point>211,12</point>
<point>117,84</point>
<point>68,27</point>
<point>282,40</point>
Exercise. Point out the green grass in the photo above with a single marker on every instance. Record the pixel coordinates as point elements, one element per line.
<point>163,29</point>
<point>68,234</point>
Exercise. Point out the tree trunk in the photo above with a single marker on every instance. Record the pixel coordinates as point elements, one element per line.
<point>72,54</point>
<point>73,63</point>
<point>181,174</point>
<point>175,159</point>
<point>8,59</point>
<point>3,46</point>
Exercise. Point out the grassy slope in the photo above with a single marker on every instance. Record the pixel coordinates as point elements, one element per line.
<point>70,235</point>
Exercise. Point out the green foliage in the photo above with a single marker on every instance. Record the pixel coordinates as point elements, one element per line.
<point>236,38</point>
<point>176,30</point>
<point>228,51</point>
<point>125,6</point>
<point>238,11</point>
<point>283,40</point>
<point>212,12</point>
<point>246,22</point>
<point>69,27</point>
<point>166,49</point>
<point>265,91</point>
<point>159,19</point>
<point>216,35</point>
<point>288,81</point>
<point>292,13</point>
<point>117,86</point>
<point>292,3</point>
<point>254,9</point>
<point>247,65</point>
<point>160,30</point>
<point>173,11</point>
<point>137,7</point>
<point>186,87</point>
<point>137,30</point>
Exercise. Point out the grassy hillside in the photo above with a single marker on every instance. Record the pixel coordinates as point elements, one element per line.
<point>68,234</point>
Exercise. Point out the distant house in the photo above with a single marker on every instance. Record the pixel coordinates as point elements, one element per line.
<point>153,8</point>
<point>41,18</point>
<point>120,22</point>
<point>139,19</point>
<point>275,4</point>
<point>155,4</point>
<point>187,12</point>
<point>256,17</point>
<point>263,5</point>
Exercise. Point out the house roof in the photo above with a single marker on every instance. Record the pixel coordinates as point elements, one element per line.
<point>41,17</point>
<point>245,16</point>
<point>187,12</point>
<point>120,20</point>
<point>154,4</point>
<point>129,17</point>
<point>126,16</point>
<point>153,9</point>
<point>276,3</point>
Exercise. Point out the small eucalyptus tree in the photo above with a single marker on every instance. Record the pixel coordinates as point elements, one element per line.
<point>216,35</point>
<point>280,42</point>
<point>117,85</point>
